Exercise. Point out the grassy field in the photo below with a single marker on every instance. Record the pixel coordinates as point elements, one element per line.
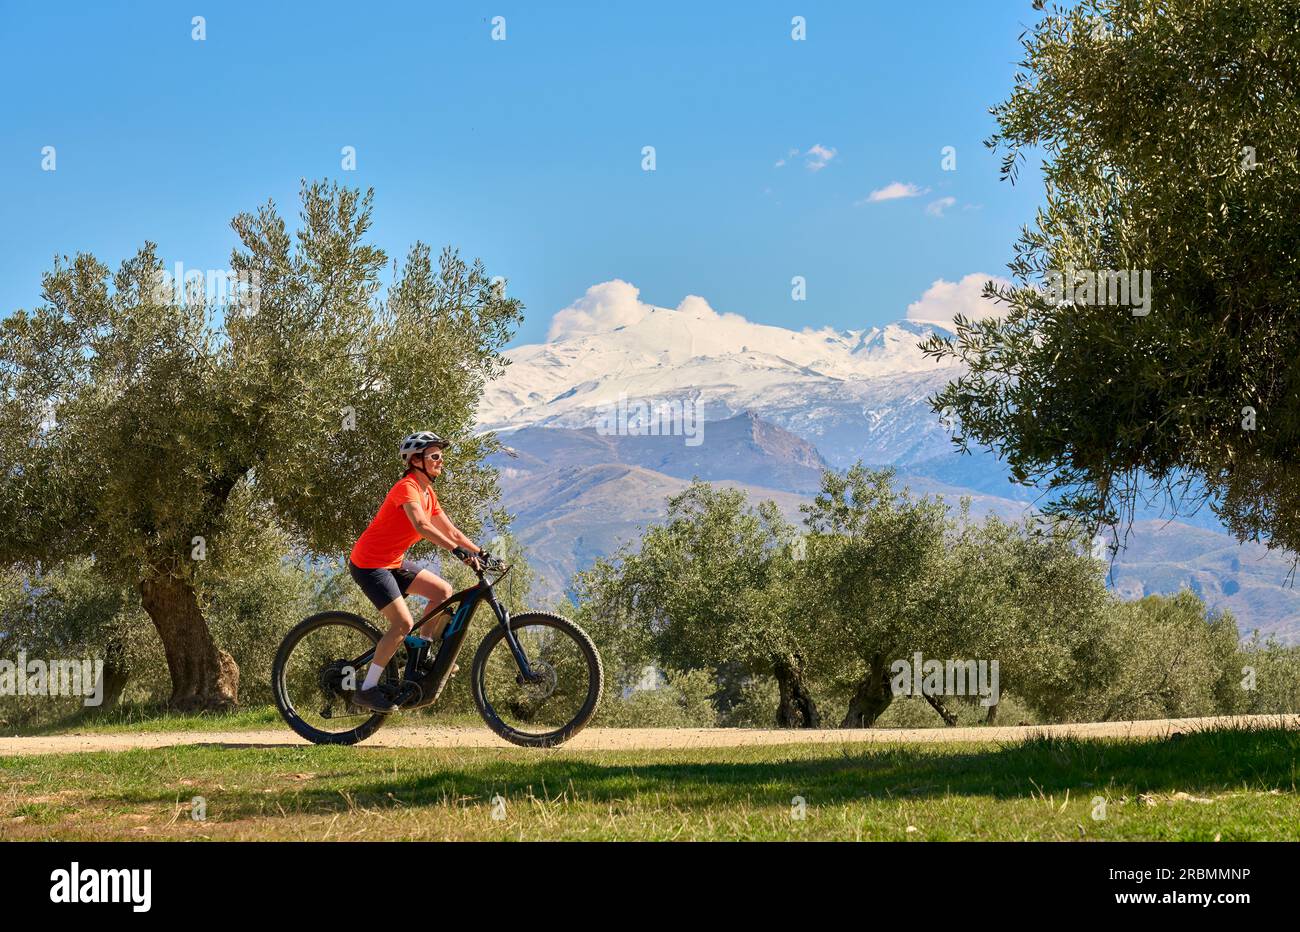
<point>1226,784</point>
<point>152,719</point>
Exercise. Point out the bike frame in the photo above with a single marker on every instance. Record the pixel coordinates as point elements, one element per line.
<point>453,635</point>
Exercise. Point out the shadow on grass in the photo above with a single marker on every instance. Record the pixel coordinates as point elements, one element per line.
<point>1200,763</point>
<point>149,718</point>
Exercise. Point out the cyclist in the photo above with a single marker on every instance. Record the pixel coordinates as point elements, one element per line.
<point>409,512</point>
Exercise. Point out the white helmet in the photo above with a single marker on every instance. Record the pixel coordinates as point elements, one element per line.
<point>416,443</point>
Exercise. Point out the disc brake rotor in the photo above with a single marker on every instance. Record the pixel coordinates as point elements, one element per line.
<point>543,682</point>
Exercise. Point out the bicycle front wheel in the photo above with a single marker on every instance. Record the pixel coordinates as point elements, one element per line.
<point>563,693</point>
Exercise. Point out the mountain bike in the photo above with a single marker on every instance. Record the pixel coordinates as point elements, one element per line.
<point>536,677</point>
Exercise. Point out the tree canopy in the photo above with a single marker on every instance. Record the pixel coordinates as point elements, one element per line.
<point>823,610</point>
<point>131,414</point>
<point>1169,131</point>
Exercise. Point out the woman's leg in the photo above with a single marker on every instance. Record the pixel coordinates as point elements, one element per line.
<point>384,591</point>
<point>399,626</point>
<point>431,586</point>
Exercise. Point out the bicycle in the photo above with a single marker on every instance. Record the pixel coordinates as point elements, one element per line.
<point>537,691</point>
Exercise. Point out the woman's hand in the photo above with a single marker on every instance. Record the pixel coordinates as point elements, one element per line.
<point>473,560</point>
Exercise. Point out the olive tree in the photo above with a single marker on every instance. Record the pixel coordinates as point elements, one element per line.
<point>894,575</point>
<point>711,588</point>
<point>1168,132</point>
<point>131,412</point>
<point>1031,596</point>
<point>1172,659</point>
<point>873,559</point>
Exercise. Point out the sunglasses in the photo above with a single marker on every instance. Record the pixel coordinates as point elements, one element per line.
<point>435,457</point>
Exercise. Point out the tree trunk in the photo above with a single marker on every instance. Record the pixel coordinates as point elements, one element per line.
<point>796,708</point>
<point>115,674</point>
<point>871,698</point>
<point>949,718</point>
<point>204,677</point>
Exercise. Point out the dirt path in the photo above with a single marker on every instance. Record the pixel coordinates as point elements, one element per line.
<point>637,738</point>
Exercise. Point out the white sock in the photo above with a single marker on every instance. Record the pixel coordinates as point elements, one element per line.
<point>372,676</point>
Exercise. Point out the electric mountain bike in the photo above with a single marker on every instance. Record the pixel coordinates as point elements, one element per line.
<point>536,678</point>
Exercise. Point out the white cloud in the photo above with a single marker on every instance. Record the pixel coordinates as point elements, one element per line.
<point>936,208</point>
<point>819,157</point>
<point>605,306</point>
<point>615,304</point>
<point>694,306</point>
<point>943,300</point>
<point>892,192</point>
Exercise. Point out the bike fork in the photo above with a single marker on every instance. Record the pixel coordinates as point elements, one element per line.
<point>521,659</point>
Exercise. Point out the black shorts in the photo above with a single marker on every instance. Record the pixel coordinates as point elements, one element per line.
<point>383,587</point>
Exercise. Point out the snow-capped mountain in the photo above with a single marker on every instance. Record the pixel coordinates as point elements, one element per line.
<point>852,393</point>
<point>771,408</point>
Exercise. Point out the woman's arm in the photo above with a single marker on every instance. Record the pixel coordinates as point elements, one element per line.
<point>444,526</point>
<point>429,528</point>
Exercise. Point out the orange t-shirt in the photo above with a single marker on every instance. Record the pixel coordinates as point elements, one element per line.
<point>391,533</point>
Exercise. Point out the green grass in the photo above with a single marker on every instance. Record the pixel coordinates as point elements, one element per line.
<point>1226,784</point>
<point>148,718</point>
<point>151,719</point>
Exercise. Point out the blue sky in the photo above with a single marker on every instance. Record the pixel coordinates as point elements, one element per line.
<point>528,152</point>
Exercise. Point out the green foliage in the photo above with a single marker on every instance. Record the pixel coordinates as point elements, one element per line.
<point>1021,594</point>
<point>683,700</point>
<point>63,613</point>
<point>754,706</point>
<point>872,557</point>
<point>60,609</point>
<point>882,575</point>
<point>71,611</point>
<point>252,597</point>
<point>1033,598</point>
<point>1168,129</point>
<point>1165,660</point>
<point>621,635</point>
<point>710,588</point>
<point>698,593</point>
<point>700,578</point>
<point>1275,687</point>
<point>135,419</point>
<point>129,421</point>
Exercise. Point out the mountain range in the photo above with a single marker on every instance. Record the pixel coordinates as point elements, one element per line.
<point>606,422</point>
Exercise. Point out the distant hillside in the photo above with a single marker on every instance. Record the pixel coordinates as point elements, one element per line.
<point>744,448</point>
<point>567,517</point>
<point>578,496</point>
<point>1246,579</point>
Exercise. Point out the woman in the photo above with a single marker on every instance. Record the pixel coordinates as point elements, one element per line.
<point>377,563</point>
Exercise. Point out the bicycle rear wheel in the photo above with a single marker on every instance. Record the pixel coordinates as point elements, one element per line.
<point>562,697</point>
<point>313,677</point>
